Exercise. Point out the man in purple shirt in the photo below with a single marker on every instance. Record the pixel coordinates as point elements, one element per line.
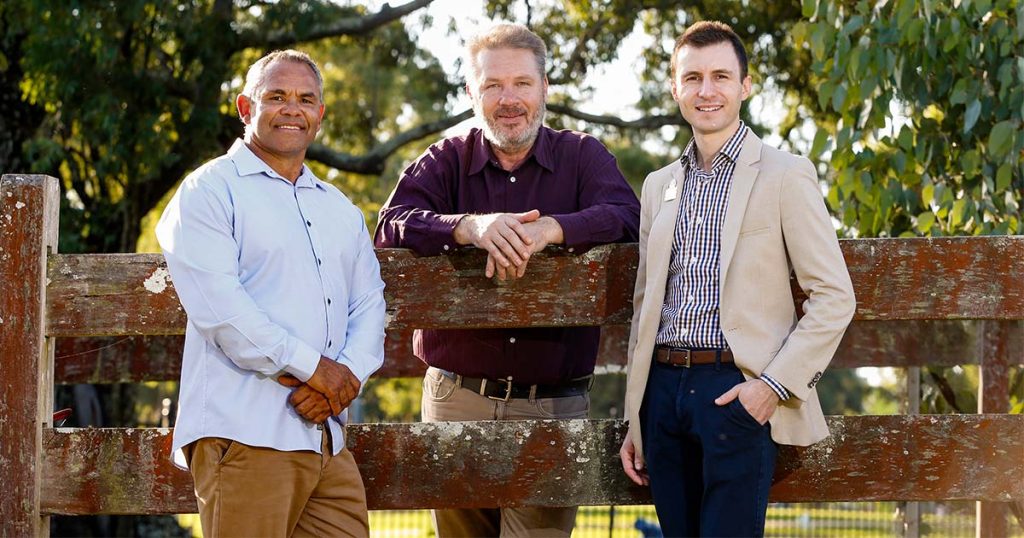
<point>511,188</point>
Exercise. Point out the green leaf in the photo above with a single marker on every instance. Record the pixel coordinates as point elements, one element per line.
<point>808,8</point>
<point>839,98</point>
<point>821,139</point>
<point>959,95</point>
<point>971,116</point>
<point>1004,176</point>
<point>956,216</point>
<point>1001,139</point>
<point>928,194</point>
<point>906,139</point>
<point>904,10</point>
<point>969,162</point>
<point>925,221</point>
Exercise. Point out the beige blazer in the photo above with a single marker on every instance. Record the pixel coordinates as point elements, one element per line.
<point>775,224</point>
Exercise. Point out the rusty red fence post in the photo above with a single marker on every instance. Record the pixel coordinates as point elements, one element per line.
<point>994,397</point>
<point>29,207</point>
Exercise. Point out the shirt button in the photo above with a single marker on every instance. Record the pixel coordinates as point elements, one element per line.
<point>512,179</point>
<point>319,262</point>
<point>693,260</point>
<point>571,249</point>
<point>689,299</point>
<point>684,330</point>
<point>699,220</point>
<point>445,247</point>
<point>328,300</point>
<point>512,340</point>
<point>330,343</point>
<point>309,223</point>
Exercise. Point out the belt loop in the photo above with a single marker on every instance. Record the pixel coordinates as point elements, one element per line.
<point>533,393</point>
<point>718,359</point>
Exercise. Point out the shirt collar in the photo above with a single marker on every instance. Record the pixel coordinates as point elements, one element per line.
<point>482,152</point>
<point>248,163</point>
<point>730,151</point>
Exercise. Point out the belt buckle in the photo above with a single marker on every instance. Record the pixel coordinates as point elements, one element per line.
<point>689,353</point>
<point>508,390</point>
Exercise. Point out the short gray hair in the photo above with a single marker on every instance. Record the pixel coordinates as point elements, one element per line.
<point>507,36</point>
<point>255,74</point>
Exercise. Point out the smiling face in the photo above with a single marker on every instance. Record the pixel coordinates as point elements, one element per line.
<point>709,89</point>
<point>508,93</point>
<point>283,115</point>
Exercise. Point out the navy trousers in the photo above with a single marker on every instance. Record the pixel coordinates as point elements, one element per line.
<point>710,466</point>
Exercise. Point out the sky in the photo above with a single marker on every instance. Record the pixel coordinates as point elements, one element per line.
<point>616,84</point>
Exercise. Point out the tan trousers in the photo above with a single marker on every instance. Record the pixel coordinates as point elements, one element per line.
<point>444,401</point>
<point>254,491</point>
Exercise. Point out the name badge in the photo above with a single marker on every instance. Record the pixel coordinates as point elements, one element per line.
<point>670,192</point>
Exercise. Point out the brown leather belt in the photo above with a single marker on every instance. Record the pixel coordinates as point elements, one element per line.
<point>505,390</point>
<point>685,357</point>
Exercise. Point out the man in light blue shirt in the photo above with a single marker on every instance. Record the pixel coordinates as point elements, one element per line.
<point>285,306</point>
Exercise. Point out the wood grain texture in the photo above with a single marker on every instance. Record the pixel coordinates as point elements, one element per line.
<point>894,279</point>
<point>28,229</point>
<point>127,359</point>
<point>543,463</point>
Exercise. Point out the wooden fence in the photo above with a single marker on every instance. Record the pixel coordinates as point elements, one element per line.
<point>914,299</point>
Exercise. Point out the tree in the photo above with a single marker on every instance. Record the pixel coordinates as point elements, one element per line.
<point>951,161</point>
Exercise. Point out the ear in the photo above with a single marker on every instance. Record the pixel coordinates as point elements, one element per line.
<point>244,106</point>
<point>545,87</point>
<point>746,87</point>
<point>675,94</point>
<point>320,117</point>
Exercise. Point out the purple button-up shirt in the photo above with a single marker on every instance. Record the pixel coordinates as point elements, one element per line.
<point>568,176</point>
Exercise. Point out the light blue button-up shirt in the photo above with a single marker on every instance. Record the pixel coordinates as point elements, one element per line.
<point>272,275</point>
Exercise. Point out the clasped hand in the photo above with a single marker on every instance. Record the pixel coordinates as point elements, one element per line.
<point>509,239</point>
<point>329,392</point>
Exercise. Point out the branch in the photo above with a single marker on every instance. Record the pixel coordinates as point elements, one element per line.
<point>344,26</point>
<point>373,162</point>
<point>646,122</point>
<point>947,391</point>
<point>576,60</point>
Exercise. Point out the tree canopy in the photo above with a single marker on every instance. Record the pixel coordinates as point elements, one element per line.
<point>913,108</point>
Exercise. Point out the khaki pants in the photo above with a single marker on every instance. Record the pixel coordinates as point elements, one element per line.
<point>444,401</point>
<point>255,491</point>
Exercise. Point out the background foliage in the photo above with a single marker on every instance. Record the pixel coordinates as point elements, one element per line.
<point>912,109</point>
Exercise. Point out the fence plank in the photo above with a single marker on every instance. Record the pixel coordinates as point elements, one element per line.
<point>29,207</point>
<point>915,278</point>
<point>129,359</point>
<point>526,463</point>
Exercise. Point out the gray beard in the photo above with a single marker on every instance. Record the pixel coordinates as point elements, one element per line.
<point>508,143</point>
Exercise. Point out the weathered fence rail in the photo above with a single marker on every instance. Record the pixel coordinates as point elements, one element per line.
<point>920,301</point>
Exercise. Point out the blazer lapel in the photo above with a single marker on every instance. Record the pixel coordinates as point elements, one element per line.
<point>739,194</point>
<point>659,242</point>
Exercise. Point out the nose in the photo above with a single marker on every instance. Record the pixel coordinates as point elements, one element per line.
<point>706,87</point>
<point>507,95</point>
<point>291,107</point>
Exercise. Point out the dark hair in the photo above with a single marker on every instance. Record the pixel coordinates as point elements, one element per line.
<point>254,77</point>
<point>705,33</point>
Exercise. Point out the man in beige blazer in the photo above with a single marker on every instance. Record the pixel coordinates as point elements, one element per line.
<point>721,367</point>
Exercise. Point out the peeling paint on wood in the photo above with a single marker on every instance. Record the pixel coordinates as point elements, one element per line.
<point>914,278</point>
<point>544,463</point>
<point>28,228</point>
<point>867,343</point>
